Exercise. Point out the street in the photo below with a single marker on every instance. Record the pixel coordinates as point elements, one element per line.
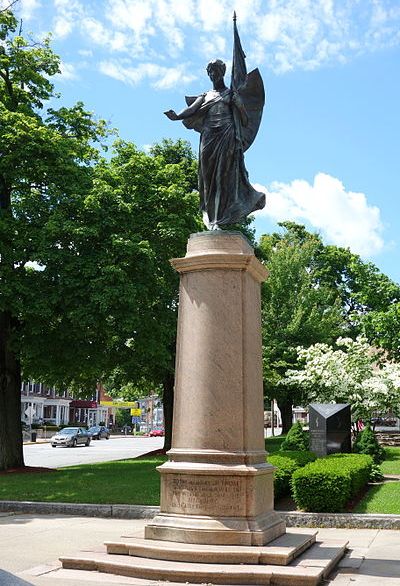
<point>118,448</point>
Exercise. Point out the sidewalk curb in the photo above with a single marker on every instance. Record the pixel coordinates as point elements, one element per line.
<point>80,510</point>
<point>292,518</point>
<point>341,520</point>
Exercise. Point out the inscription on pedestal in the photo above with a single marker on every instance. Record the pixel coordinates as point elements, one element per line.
<point>206,495</point>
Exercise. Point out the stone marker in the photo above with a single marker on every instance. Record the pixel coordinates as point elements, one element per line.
<point>330,428</point>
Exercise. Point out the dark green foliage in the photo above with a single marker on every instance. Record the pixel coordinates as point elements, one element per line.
<point>376,474</point>
<point>273,444</point>
<point>286,463</point>
<point>366,443</point>
<point>315,293</point>
<point>328,484</point>
<point>296,439</point>
<point>295,312</point>
<point>383,327</point>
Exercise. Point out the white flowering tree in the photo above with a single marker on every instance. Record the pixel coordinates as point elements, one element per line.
<point>354,373</point>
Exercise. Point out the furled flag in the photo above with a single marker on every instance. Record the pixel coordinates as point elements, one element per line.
<point>239,71</point>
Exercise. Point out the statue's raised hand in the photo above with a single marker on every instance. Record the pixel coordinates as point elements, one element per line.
<point>172,115</point>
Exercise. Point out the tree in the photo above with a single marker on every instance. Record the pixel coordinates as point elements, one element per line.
<point>296,309</point>
<point>316,293</point>
<point>353,373</point>
<point>153,197</point>
<point>361,285</point>
<point>383,329</point>
<point>45,167</point>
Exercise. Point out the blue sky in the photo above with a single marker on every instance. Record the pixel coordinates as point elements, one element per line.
<point>327,153</point>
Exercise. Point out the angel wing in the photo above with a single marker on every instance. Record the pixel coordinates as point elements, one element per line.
<point>253,97</point>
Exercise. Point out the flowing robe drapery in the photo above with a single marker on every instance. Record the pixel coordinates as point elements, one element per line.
<point>226,195</point>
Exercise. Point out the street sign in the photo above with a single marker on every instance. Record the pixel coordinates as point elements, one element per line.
<point>29,411</point>
<point>135,419</point>
<point>119,404</point>
<point>136,412</point>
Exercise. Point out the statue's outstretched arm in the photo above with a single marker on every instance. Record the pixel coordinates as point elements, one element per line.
<point>187,112</point>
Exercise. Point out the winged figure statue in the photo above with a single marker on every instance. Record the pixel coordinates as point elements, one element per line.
<point>227,120</point>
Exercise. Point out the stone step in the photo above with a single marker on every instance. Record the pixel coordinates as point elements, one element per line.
<point>281,551</point>
<point>308,570</point>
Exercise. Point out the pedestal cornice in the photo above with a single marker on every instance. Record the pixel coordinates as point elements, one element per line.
<point>224,261</point>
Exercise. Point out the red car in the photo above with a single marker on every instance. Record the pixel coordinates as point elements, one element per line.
<point>156,433</point>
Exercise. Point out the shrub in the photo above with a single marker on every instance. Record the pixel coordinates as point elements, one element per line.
<point>327,484</point>
<point>287,463</point>
<point>376,474</point>
<point>366,443</point>
<point>296,439</point>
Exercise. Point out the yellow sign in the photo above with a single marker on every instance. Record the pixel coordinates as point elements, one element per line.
<point>136,412</point>
<point>119,404</point>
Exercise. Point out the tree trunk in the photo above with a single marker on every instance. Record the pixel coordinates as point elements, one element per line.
<point>11,452</point>
<point>168,403</point>
<point>285,408</point>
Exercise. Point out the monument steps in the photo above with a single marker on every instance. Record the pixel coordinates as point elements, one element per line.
<point>281,551</point>
<point>309,569</point>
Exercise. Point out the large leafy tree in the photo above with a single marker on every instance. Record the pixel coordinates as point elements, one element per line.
<point>315,293</point>
<point>153,194</point>
<point>86,286</point>
<point>295,311</point>
<point>362,287</point>
<point>45,167</point>
<point>383,329</point>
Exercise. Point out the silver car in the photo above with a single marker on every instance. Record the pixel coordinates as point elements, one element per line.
<point>71,437</point>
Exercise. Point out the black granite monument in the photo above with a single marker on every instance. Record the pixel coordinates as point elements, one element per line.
<point>330,428</point>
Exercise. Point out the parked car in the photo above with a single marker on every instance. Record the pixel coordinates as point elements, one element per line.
<point>99,431</point>
<point>71,437</point>
<point>156,432</point>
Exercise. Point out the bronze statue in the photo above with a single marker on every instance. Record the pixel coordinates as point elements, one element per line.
<point>228,120</point>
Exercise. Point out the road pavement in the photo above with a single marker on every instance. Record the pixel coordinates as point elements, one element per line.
<point>116,448</point>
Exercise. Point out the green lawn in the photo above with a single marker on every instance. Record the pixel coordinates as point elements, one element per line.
<point>273,444</point>
<point>134,482</point>
<point>383,498</point>
<point>391,465</point>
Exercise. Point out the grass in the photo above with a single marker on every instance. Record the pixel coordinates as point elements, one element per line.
<point>134,482</point>
<point>391,465</point>
<point>273,444</point>
<point>383,498</point>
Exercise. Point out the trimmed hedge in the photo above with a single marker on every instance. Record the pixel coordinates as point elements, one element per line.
<point>328,484</point>
<point>287,463</point>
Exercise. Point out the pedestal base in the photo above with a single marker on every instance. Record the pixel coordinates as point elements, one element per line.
<point>217,530</point>
<point>216,504</point>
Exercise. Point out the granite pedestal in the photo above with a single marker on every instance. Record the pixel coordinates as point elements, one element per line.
<point>217,487</point>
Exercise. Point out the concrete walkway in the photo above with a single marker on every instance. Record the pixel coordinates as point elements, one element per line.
<point>31,545</point>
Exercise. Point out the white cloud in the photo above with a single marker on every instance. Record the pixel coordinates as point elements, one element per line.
<point>160,77</point>
<point>284,35</point>
<point>85,52</point>
<point>69,15</point>
<point>67,71</point>
<point>28,7</point>
<point>344,217</point>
